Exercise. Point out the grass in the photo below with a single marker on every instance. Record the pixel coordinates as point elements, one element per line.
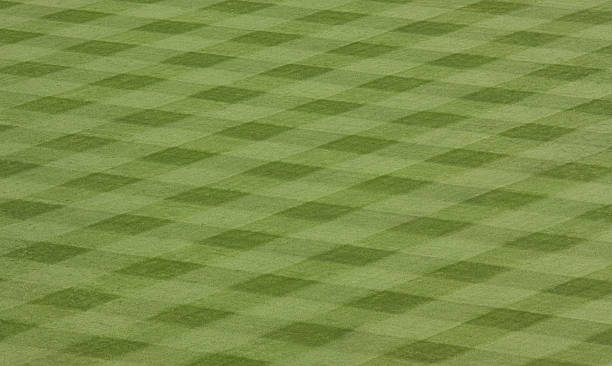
<point>268,183</point>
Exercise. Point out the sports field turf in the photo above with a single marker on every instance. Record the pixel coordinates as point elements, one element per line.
<point>306,182</point>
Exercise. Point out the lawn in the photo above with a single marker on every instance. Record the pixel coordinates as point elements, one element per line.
<point>306,183</point>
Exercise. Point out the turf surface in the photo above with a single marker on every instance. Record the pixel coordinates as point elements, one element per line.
<point>282,182</point>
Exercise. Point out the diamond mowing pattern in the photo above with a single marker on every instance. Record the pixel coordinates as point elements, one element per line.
<point>248,182</point>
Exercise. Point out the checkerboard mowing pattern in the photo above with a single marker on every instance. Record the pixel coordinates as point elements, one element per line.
<point>306,183</point>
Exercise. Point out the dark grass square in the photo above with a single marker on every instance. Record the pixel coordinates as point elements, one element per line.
<point>315,211</point>
<point>254,131</point>
<point>127,81</point>
<point>190,316</point>
<point>564,72</point>
<point>282,170</point>
<point>602,214</point>
<point>536,132</point>
<point>544,242</point>
<point>363,50</point>
<point>153,118</point>
<point>469,271</point>
<point>222,359</point>
<point>9,36</point>
<point>170,27</point>
<point>508,319</point>
<point>498,95</point>
<point>31,69</point>
<point>428,28</point>
<point>265,38</point>
<point>197,59</point>
<point>308,334</point>
<point>6,128</point>
<point>228,94</point>
<point>47,252</point>
<point>430,119</point>
<point>53,105</point>
<point>389,302</point>
<point>159,268</point>
<point>297,71</point>
<point>9,328</point>
<point>177,156</point>
<point>11,167</point>
<point>239,239</point>
<point>394,84</point>
<point>466,158</point>
<point>75,16</point>
<point>75,298</point>
<point>104,347</point>
<point>528,39</point>
<point>100,48</point>
<point>463,61</point>
<point>208,196</point>
<point>327,107</point>
<point>331,17</point>
<point>7,4</point>
<point>101,182</point>
<point>358,144</point>
<point>129,224</point>
<point>431,227</point>
<point>77,143</point>
<point>504,199</point>
<point>349,254</point>
<point>142,1</point>
<point>604,338</point>
<point>551,362</point>
<point>578,172</point>
<point>588,16</point>
<point>273,285</point>
<point>583,287</point>
<point>604,50</point>
<point>428,352</point>
<point>23,210</point>
<point>390,185</point>
<point>238,6</point>
<point>494,7</point>
<point>598,106</point>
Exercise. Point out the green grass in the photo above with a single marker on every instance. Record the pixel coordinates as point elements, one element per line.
<point>75,298</point>
<point>308,334</point>
<point>426,352</point>
<point>152,118</point>
<point>197,59</point>
<point>390,302</point>
<point>77,142</point>
<point>158,268</point>
<point>429,28</point>
<point>348,254</point>
<point>46,252</point>
<point>190,316</point>
<point>104,348</point>
<point>9,328</point>
<point>271,183</point>
<point>22,209</point>
<point>239,239</point>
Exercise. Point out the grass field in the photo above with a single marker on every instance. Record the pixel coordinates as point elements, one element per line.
<point>306,182</point>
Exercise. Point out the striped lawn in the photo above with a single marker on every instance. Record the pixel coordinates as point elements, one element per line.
<point>306,183</point>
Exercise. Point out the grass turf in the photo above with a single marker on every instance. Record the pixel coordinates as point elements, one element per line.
<point>266,183</point>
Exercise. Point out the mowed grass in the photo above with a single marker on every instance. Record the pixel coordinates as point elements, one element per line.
<point>272,183</point>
